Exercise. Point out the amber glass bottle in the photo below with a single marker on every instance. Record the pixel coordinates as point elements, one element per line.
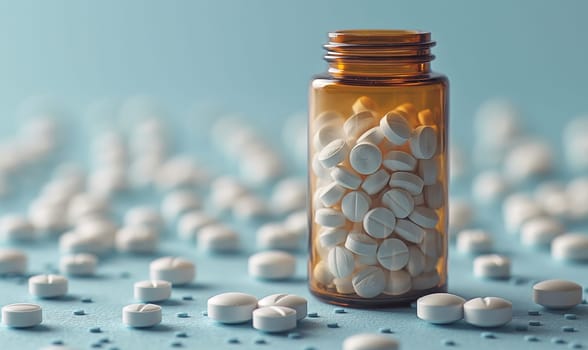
<point>378,170</point>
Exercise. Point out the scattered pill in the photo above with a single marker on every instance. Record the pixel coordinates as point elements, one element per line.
<point>177,203</point>
<point>48,286</point>
<point>141,315</point>
<point>570,316</point>
<point>492,266</point>
<point>274,319</point>
<point>192,222</point>
<point>152,290</point>
<point>535,323</point>
<point>143,216</point>
<point>78,264</point>
<point>232,307</point>
<point>218,238</point>
<point>368,341</point>
<point>540,231</point>
<point>570,247</point>
<point>12,261</point>
<point>278,236</point>
<point>533,313</point>
<point>175,270</point>
<point>487,312</point>
<point>557,294</point>
<point>440,308</point>
<point>474,241</point>
<point>332,325</point>
<point>272,265</point>
<point>22,315</point>
<point>79,312</point>
<point>137,240</point>
<point>16,228</point>
<point>292,301</point>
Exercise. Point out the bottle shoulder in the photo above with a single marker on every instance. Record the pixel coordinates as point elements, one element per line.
<point>432,78</point>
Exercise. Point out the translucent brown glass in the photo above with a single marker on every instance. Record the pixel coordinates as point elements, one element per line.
<point>380,71</point>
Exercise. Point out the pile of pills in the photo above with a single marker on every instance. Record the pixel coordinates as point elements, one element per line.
<point>379,207</point>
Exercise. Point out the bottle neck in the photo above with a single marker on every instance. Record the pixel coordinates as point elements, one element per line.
<point>379,54</point>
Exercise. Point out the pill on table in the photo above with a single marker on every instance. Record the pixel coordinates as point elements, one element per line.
<point>474,241</point>
<point>393,254</point>
<point>428,170</point>
<point>78,264</point>
<point>179,202</point>
<point>395,128</point>
<point>426,280</point>
<point>274,319</point>
<point>434,195</point>
<point>277,236</point>
<point>528,159</point>
<point>251,207</point>
<point>48,286</point>
<point>22,315</point>
<point>557,294</point>
<point>333,153</point>
<point>192,222</point>
<point>416,261</point>
<point>398,282</point>
<point>409,231</point>
<point>440,308</point>
<point>571,247</point>
<point>16,228</point>
<point>272,265</point>
<point>379,222</point>
<point>141,315</point>
<point>292,301</point>
<point>363,103</point>
<point>359,123</point>
<point>143,216</point>
<point>423,142</point>
<point>517,209</point>
<point>346,178</point>
<point>329,217</point>
<point>399,161</point>
<point>355,205</point>
<point>492,266</point>
<point>176,270</point>
<point>218,238</point>
<point>375,182</point>
<point>369,282</point>
<point>12,261</point>
<point>489,186</point>
<point>373,136</point>
<point>326,118</point>
<point>231,307</point>
<point>399,201</point>
<point>340,262</point>
<point>289,195</point>
<point>136,239</point>
<point>424,217</point>
<point>361,244</point>
<point>152,290</point>
<point>365,158</point>
<point>331,194</point>
<point>325,135</point>
<point>369,341</point>
<point>487,312</point>
<point>407,181</point>
<point>540,231</point>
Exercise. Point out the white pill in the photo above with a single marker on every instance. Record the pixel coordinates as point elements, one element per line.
<point>373,136</point>
<point>12,261</point>
<point>399,161</point>
<point>333,153</point>
<point>225,191</point>
<point>517,209</point>
<point>289,195</point>
<point>393,254</point>
<point>571,247</point>
<point>416,261</point>
<point>152,290</point>
<point>426,280</point>
<point>177,203</point>
<point>47,286</point>
<point>272,265</point>
<point>329,217</point>
<point>398,282</point>
<point>553,198</point>
<point>409,231</point>
<point>528,159</point>
<point>218,238</point>
<point>363,103</point>
<point>424,217</point>
<point>322,274</point>
<point>379,222</point>
<point>432,244</point>
<point>361,244</point>
<point>297,222</point>
<point>136,239</point>
<point>431,263</point>
<point>274,319</point>
<point>395,128</point>
<point>407,181</point>
<point>492,266</point>
<point>557,294</point>
<point>540,231</point>
<point>176,270</point>
<point>359,123</point>
<point>22,315</point>
<point>489,186</point>
<point>419,199</point>
<point>474,241</point>
<point>460,214</point>
<point>423,142</point>
<point>325,135</point>
<point>192,223</point>
<point>369,282</point>
<point>278,236</point>
<point>365,158</point>
<point>16,228</point>
<point>355,205</point>
<point>361,260</point>
<point>440,308</point>
<point>231,308</point>
<point>86,204</point>
<point>344,285</point>
<point>292,301</point>
<point>487,312</point>
<point>331,194</point>
<point>375,182</point>
<point>346,178</point>
<point>326,118</point>
<point>141,315</point>
<point>399,201</point>
<point>331,237</point>
<point>369,341</point>
<point>144,216</point>
<point>78,264</point>
<point>75,242</point>
<point>340,262</point>
<point>428,170</point>
<point>434,195</point>
<point>317,167</point>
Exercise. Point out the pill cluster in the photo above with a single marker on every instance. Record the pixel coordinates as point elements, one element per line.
<point>379,202</point>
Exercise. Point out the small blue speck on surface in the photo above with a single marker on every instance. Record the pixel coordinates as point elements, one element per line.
<point>176,344</point>
<point>517,281</point>
<point>260,341</point>
<point>125,274</point>
<point>96,345</point>
<point>294,335</point>
<point>413,305</point>
<point>233,341</point>
<point>182,315</point>
<point>488,335</point>
<point>313,315</point>
<point>385,330</point>
<point>57,342</point>
<point>531,338</point>
<point>556,340</point>
<point>568,329</point>
<point>571,316</point>
<point>204,313</point>
<point>310,348</point>
<point>333,325</point>
<point>534,323</point>
<point>86,300</point>
<point>575,346</point>
<point>521,328</point>
<point>114,348</point>
<point>448,342</point>
<point>340,311</point>
<point>105,340</point>
<point>187,297</point>
<point>95,330</point>
<point>79,312</point>
<point>533,313</point>
<point>181,335</point>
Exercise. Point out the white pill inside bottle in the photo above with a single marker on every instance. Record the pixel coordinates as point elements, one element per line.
<point>365,158</point>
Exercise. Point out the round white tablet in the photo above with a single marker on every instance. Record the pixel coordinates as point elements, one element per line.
<point>192,222</point>
<point>369,282</point>
<point>144,216</point>
<point>326,118</point>
<point>540,231</point>
<point>329,217</point>
<point>274,319</point>
<point>474,241</point>
<point>141,315</point>
<point>393,254</point>
<point>333,153</point>
<point>340,262</point>
<point>409,231</point>
<point>355,205</point>
<point>432,244</point>
<point>325,135</point>
<point>369,341</point>
<point>277,236</point>
<point>423,142</point>
<point>434,195</point>
<point>361,244</point>
<point>373,136</point>
<point>440,308</point>
<point>395,127</point>
<point>292,301</point>
<point>375,182</point>
<point>428,170</point>
<point>426,280</point>
<point>570,246</point>
<point>179,202</point>
<point>398,282</point>
<point>331,194</point>
<point>22,315</point>
<point>399,201</point>
<point>48,286</point>
<point>78,264</point>
<point>176,270</point>
<point>272,265</point>
<point>358,123</point>
<point>487,312</point>
<point>407,181</point>
<point>16,228</point>
<point>365,158</point>
<point>379,222</point>
<point>12,261</point>
<point>218,238</point>
<point>136,239</point>
<point>345,177</point>
<point>492,266</point>
<point>399,161</point>
<point>557,294</point>
<point>231,307</point>
<point>330,237</point>
<point>416,261</point>
<point>424,217</point>
<point>152,290</point>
